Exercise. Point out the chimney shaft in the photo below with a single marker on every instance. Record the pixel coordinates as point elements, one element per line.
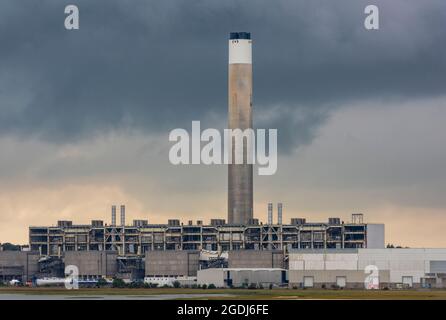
<point>240,176</point>
<point>279,213</point>
<point>270,213</point>
<point>113,217</point>
<point>122,215</point>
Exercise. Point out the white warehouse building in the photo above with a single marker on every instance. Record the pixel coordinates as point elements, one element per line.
<point>238,277</point>
<point>372,268</point>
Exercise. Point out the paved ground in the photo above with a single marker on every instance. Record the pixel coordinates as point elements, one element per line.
<point>106,297</point>
<point>10,293</point>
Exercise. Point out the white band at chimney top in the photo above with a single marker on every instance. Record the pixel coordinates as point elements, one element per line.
<point>240,51</point>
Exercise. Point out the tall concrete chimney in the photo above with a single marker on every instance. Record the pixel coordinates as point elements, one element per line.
<point>240,176</point>
<point>122,215</point>
<point>113,217</point>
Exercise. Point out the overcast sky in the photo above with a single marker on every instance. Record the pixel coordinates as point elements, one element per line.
<point>85,115</point>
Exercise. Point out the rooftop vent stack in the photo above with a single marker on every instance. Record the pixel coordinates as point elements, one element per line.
<point>253,222</point>
<point>97,223</point>
<point>357,218</point>
<point>270,213</point>
<point>64,223</point>
<point>334,221</point>
<point>173,222</point>
<point>113,220</point>
<point>298,221</point>
<point>218,222</point>
<point>140,223</point>
<point>122,215</point>
<point>279,213</point>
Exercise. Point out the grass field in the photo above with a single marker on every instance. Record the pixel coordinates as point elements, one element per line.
<point>241,293</point>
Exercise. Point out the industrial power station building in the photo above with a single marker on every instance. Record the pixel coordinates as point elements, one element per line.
<point>298,255</point>
<point>142,237</point>
<point>240,252</point>
<point>181,250</point>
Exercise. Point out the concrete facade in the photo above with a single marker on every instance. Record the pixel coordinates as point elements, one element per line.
<point>391,267</point>
<point>375,236</point>
<point>18,264</point>
<point>172,263</point>
<point>93,263</point>
<point>255,259</point>
<point>354,279</point>
<point>238,277</point>
<point>212,276</point>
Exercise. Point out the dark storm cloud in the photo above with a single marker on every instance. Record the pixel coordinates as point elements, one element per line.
<point>157,65</point>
